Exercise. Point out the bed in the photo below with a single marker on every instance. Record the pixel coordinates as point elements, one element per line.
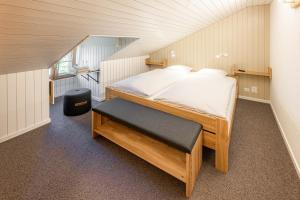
<point>217,126</point>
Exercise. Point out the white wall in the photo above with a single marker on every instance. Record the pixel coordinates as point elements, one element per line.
<point>91,53</point>
<point>97,49</point>
<point>115,70</point>
<point>63,85</point>
<point>285,85</point>
<point>243,36</point>
<point>24,102</point>
<point>110,72</point>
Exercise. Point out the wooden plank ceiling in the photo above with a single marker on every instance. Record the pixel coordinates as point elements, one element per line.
<point>35,33</point>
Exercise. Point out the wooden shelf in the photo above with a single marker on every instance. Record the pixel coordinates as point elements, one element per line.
<point>51,91</point>
<point>64,76</point>
<point>236,71</point>
<point>163,63</point>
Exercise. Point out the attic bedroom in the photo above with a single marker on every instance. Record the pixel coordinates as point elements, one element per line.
<point>160,99</point>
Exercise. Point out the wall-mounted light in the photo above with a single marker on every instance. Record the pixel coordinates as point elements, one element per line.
<point>293,3</point>
<point>173,55</point>
<point>218,56</point>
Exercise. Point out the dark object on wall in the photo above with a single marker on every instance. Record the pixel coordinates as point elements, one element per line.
<point>77,101</point>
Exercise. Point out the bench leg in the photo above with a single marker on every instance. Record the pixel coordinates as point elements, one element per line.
<point>108,96</point>
<point>96,122</point>
<point>193,165</point>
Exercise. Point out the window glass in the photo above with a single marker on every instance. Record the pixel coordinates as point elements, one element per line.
<point>65,64</point>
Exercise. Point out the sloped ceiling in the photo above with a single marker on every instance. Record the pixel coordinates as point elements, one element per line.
<point>36,33</point>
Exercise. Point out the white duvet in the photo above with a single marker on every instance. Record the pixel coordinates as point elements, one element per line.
<point>149,83</point>
<point>202,93</point>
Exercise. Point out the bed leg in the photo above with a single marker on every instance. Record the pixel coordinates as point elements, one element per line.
<point>222,146</point>
<point>222,157</point>
<point>193,165</point>
<point>108,95</point>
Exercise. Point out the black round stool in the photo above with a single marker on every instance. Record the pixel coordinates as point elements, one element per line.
<point>77,101</point>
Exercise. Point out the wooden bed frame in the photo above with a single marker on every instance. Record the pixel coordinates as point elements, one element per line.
<point>183,166</point>
<point>216,134</point>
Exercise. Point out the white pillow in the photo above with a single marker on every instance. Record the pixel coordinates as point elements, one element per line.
<point>181,68</point>
<point>212,71</point>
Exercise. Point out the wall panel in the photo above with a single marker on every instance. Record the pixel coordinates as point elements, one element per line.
<point>21,100</point>
<point>285,92</point>
<point>30,111</point>
<point>244,36</point>
<point>63,85</point>
<point>96,49</point>
<point>11,103</point>
<point>110,72</point>
<point>37,96</point>
<point>3,106</point>
<point>116,70</point>
<point>24,102</point>
<point>45,94</point>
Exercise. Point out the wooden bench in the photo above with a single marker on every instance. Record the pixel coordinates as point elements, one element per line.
<point>168,142</point>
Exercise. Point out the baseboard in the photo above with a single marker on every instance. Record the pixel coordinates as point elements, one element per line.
<point>296,165</point>
<point>254,99</point>
<point>25,130</point>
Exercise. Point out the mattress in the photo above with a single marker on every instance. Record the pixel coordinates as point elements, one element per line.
<point>149,83</point>
<point>214,96</point>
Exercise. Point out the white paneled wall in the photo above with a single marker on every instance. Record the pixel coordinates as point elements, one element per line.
<point>110,72</point>
<point>243,36</point>
<point>97,49</point>
<point>90,54</point>
<point>24,102</point>
<point>284,58</point>
<point>91,84</point>
<point>115,70</point>
<point>63,85</point>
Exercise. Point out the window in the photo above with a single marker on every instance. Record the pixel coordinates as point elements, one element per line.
<point>65,64</point>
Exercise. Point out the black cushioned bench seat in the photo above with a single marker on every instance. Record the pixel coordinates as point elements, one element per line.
<point>172,130</point>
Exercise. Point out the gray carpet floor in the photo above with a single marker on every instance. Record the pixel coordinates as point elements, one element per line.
<point>62,161</point>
